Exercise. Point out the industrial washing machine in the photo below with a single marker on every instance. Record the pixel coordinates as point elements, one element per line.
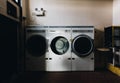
<point>82,48</point>
<point>35,48</point>
<point>59,49</point>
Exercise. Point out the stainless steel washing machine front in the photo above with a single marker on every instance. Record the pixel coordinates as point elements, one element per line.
<point>59,49</point>
<point>35,48</point>
<point>83,48</point>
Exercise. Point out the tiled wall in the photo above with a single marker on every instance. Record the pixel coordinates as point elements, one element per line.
<point>97,13</point>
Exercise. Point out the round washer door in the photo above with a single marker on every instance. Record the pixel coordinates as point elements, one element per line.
<point>36,45</point>
<point>59,45</point>
<point>82,45</point>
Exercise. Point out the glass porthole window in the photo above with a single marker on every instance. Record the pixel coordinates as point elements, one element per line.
<point>36,45</point>
<point>59,45</point>
<point>82,45</point>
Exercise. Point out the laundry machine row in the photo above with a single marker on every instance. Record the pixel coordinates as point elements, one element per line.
<point>59,48</point>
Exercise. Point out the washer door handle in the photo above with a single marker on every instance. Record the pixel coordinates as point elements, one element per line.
<point>73,58</point>
<point>92,58</point>
<point>46,58</point>
<point>69,58</point>
<point>50,58</point>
